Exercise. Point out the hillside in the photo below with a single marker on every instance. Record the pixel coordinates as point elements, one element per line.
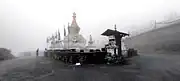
<point>5,54</point>
<point>162,40</point>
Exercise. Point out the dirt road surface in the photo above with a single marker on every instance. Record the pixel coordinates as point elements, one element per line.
<point>146,67</point>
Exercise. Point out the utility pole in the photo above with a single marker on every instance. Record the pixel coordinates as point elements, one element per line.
<point>115,39</point>
<point>118,41</point>
<point>47,41</point>
<point>68,35</point>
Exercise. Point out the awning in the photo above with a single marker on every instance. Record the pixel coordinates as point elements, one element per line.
<point>110,32</point>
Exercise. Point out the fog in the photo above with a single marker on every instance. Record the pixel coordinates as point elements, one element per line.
<point>25,24</point>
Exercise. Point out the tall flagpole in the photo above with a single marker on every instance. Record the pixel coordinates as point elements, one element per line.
<point>68,35</point>
<point>47,40</point>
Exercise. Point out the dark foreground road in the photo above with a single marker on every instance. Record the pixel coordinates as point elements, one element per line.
<point>143,68</point>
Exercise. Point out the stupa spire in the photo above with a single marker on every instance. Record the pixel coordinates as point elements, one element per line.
<point>74,19</point>
<point>90,40</point>
<point>115,27</point>
<point>74,23</point>
<point>64,31</point>
<point>59,35</point>
<point>74,16</point>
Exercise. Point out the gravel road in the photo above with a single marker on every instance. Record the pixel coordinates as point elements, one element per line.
<point>146,67</point>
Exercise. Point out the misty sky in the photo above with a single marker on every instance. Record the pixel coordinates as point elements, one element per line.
<point>25,24</point>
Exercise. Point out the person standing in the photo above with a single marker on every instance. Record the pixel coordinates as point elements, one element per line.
<point>37,52</point>
<point>45,52</point>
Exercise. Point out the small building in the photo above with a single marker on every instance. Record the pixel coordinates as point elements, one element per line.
<point>115,37</point>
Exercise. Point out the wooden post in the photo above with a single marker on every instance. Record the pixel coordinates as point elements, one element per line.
<point>118,43</point>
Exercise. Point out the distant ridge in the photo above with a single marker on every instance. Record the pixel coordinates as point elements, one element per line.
<point>163,39</point>
<point>170,21</point>
<point>164,24</point>
<point>161,25</point>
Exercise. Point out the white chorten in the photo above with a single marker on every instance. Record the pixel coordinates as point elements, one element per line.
<point>56,41</point>
<point>90,43</point>
<point>74,39</point>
